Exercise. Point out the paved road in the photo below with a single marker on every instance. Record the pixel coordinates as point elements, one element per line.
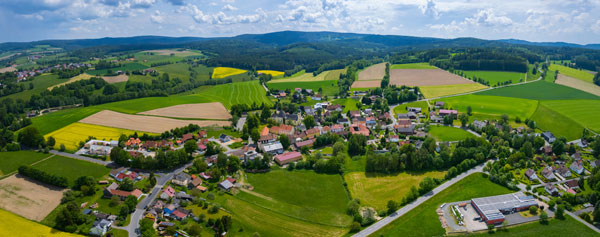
<point>161,180</point>
<point>380,224</point>
<point>97,161</point>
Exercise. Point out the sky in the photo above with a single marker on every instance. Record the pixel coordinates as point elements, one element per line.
<point>534,20</point>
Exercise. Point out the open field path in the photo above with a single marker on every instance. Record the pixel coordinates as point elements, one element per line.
<point>389,219</point>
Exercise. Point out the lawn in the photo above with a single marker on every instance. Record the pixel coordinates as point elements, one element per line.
<point>444,90</point>
<point>302,76</point>
<point>13,225</point>
<point>348,103</point>
<point>12,160</point>
<point>540,90</point>
<point>375,190</point>
<point>74,133</point>
<point>584,112</point>
<point>403,108</point>
<point>302,194</point>
<point>495,77</point>
<point>571,72</point>
<point>40,84</point>
<point>447,134</point>
<point>124,67</point>
<point>272,73</point>
<point>555,227</point>
<point>559,124</point>
<point>423,220</point>
<point>492,107</point>
<point>329,87</point>
<point>412,66</point>
<point>222,72</point>
<point>71,168</point>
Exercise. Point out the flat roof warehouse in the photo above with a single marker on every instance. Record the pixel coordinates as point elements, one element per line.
<point>494,208</point>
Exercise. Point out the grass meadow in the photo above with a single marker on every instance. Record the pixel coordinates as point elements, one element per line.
<point>571,72</point>
<point>222,72</point>
<point>448,134</point>
<point>10,161</point>
<point>348,103</point>
<point>175,70</point>
<point>492,107</point>
<point>375,190</point>
<point>423,220</point>
<point>13,225</point>
<point>40,83</point>
<point>329,87</point>
<point>540,90</point>
<point>302,76</point>
<point>584,112</point>
<point>71,168</point>
<point>560,125</point>
<point>124,67</point>
<point>403,108</point>
<point>412,66</point>
<point>444,90</point>
<point>555,227</point>
<point>495,77</point>
<point>72,134</point>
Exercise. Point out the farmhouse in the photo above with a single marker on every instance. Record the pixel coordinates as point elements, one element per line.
<point>283,159</point>
<point>492,209</point>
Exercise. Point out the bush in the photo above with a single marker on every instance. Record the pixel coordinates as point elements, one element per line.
<point>354,227</point>
<point>533,210</point>
<point>543,218</point>
<point>62,147</point>
<point>42,176</point>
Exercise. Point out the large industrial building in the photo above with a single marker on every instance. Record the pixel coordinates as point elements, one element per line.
<point>492,209</point>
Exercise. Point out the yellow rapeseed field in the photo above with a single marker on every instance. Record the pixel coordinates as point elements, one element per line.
<point>222,72</point>
<point>272,73</point>
<point>74,133</point>
<point>13,225</point>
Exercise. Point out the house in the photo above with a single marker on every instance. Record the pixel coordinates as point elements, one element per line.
<point>530,174</point>
<point>359,128</point>
<point>576,156</point>
<point>169,192</point>
<point>100,227</point>
<point>547,173</point>
<point>115,172</point>
<point>181,179</point>
<point>283,159</point>
<point>479,124</point>
<point>439,104</point>
<point>336,128</point>
<point>226,185</point>
<point>232,180</point>
<point>301,144</point>
<point>549,137</point>
<point>183,196</point>
<point>577,167</point>
<point>196,181</point>
<point>354,114</point>
<point>317,97</point>
<point>551,189</point>
<point>447,112</point>
<point>293,119</point>
<point>180,214</point>
<point>187,137</point>
<point>563,171</point>
<point>151,214</point>
<point>224,138</point>
<point>310,133</point>
<point>205,176</point>
<point>547,150</point>
<point>435,119</point>
<point>264,131</point>
<point>573,183</point>
<point>202,134</point>
<point>169,209</point>
<point>127,174</point>
<point>112,190</point>
<point>394,138</point>
<point>371,121</point>
<point>283,129</point>
<point>273,148</point>
<point>269,138</point>
<point>416,110</point>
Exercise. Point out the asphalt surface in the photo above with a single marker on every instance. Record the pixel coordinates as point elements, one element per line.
<point>97,161</point>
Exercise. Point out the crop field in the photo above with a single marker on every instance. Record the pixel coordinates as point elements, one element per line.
<point>412,66</point>
<point>302,76</point>
<point>124,67</point>
<point>403,108</point>
<point>40,83</point>
<point>28,198</point>
<point>374,72</point>
<point>366,84</point>
<point>375,190</point>
<point>7,69</point>
<point>444,90</point>
<point>71,168</point>
<point>571,72</point>
<point>492,107</point>
<point>175,70</point>
<point>423,220</point>
<point>555,227</point>
<point>71,135</point>
<point>144,123</point>
<point>10,161</point>
<point>329,87</point>
<point>495,77</point>
<point>424,77</point>
<point>578,84</point>
<point>303,194</point>
<point>560,125</point>
<point>174,52</point>
<point>116,79</point>
<point>235,93</point>
<point>540,90</point>
<point>584,112</point>
<point>222,72</point>
<point>448,134</point>
<point>13,225</point>
<point>271,72</point>
<point>214,110</point>
<point>83,76</point>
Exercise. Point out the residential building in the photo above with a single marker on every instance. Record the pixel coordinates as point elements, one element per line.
<point>225,185</point>
<point>551,189</point>
<point>167,193</point>
<point>530,174</point>
<point>563,171</point>
<point>547,173</point>
<point>181,179</point>
<point>577,167</point>
<point>549,137</point>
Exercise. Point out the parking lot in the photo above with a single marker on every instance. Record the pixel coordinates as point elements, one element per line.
<point>468,212</point>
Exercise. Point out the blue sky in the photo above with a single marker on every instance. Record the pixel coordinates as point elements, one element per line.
<point>576,21</point>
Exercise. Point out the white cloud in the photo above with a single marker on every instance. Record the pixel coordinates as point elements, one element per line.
<point>229,7</point>
<point>177,2</point>
<point>488,17</point>
<point>142,3</point>
<point>157,17</point>
<point>220,18</point>
<point>430,9</point>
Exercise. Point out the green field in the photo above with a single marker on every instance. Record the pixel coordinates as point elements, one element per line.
<point>301,194</point>
<point>12,160</point>
<point>423,220</point>
<point>555,227</point>
<point>448,134</point>
<point>444,90</point>
<point>175,70</point>
<point>71,168</point>
<point>540,90</point>
<point>560,125</point>
<point>228,94</point>
<point>348,103</point>
<point>124,67</point>
<point>584,112</point>
<point>40,83</point>
<point>492,107</point>
<point>302,76</point>
<point>495,77</point>
<point>412,66</point>
<point>71,135</point>
<point>571,72</point>
<point>13,225</point>
<point>375,190</point>
<point>549,76</point>
<point>403,108</point>
<point>329,87</point>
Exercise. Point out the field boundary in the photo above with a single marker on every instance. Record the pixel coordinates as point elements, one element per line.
<point>32,164</point>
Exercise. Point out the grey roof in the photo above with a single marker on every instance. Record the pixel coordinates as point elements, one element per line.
<point>182,176</point>
<point>273,147</point>
<point>226,184</point>
<point>492,207</point>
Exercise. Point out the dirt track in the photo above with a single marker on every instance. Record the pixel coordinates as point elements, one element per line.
<point>213,110</point>
<point>144,123</point>
<point>425,77</point>
<point>116,79</point>
<point>375,72</point>
<point>578,84</point>
<point>28,198</point>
